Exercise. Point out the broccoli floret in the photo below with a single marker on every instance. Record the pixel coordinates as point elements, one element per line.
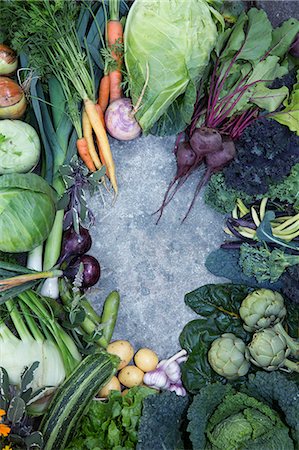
<point>263,264</point>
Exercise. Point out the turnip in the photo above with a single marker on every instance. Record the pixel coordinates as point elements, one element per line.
<point>120,120</point>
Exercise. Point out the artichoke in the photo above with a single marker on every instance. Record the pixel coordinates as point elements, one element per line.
<point>269,350</point>
<point>261,309</point>
<point>228,356</point>
<point>264,308</point>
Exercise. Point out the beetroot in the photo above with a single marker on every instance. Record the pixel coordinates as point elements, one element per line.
<point>187,161</point>
<point>214,162</point>
<point>205,140</point>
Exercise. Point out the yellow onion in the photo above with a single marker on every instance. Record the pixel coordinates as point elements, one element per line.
<point>8,60</point>
<point>12,99</point>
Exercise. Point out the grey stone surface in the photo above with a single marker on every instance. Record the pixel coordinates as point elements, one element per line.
<point>279,10</point>
<point>151,265</point>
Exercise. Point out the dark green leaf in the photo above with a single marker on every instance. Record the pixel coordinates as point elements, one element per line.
<point>292,319</point>
<point>16,410</point>
<point>196,371</point>
<point>213,300</point>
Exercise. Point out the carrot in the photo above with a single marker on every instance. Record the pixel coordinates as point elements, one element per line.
<point>87,133</point>
<point>82,148</point>
<point>103,100</point>
<point>115,40</point>
<point>101,136</point>
<point>101,115</point>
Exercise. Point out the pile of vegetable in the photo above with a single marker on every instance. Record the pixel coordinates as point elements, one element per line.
<point>226,83</point>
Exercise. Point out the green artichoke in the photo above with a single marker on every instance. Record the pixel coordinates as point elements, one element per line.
<point>261,309</point>
<point>228,356</point>
<point>269,350</point>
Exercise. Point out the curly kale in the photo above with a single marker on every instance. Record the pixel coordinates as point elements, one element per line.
<point>266,153</point>
<point>161,420</point>
<point>290,280</point>
<point>223,198</point>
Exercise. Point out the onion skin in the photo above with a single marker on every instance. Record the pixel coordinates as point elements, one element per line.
<point>12,99</point>
<point>8,60</point>
<point>120,121</point>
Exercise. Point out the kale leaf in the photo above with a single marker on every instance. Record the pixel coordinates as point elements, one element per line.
<point>266,153</point>
<point>161,422</point>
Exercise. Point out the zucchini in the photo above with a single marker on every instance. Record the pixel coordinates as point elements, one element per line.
<point>73,397</point>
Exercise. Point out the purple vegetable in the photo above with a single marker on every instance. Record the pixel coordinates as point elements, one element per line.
<point>91,270</point>
<point>120,120</point>
<point>214,162</point>
<point>74,244</point>
<point>294,49</point>
<point>205,140</point>
<point>187,162</point>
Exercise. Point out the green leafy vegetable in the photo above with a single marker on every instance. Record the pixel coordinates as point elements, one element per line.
<point>289,116</point>
<point>221,417</point>
<point>161,422</point>
<point>219,305</point>
<point>27,211</point>
<point>112,424</point>
<point>175,40</point>
<point>264,264</point>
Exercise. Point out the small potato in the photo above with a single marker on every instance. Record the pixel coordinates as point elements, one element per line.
<point>113,385</point>
<point>131,376</point>
<point>124,392</point>
<point>146,359</point>
<point>123,349</point>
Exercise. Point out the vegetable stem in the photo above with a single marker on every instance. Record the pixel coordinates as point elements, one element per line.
<point>291,343</point>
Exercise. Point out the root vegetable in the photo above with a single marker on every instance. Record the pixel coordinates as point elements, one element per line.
<point>131,376</point>
<point>146,359</point>
<point>113,385</point>
<point>12,99</point>
<point>123,349</point>
<point>120,121</point>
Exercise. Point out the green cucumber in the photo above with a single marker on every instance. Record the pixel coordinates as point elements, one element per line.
<point>73,397</point>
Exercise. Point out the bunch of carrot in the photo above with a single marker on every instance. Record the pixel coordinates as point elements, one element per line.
<point>109,90</point>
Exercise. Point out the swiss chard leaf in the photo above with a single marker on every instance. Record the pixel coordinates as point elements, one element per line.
<point>196,371</point>
<point>217,300</point>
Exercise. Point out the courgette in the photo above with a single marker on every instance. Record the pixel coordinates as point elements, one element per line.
<point>73,397</point>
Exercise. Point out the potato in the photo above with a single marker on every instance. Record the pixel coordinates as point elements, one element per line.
<point>123,349</point>
<point>131,376</point>
<point>146,359</point>
<point>124,392</point>
<point>113,385</point>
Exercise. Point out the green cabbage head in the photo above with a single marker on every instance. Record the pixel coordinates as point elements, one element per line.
<point>175,39</point>
<point>224,419</point>
<point>27,212</point>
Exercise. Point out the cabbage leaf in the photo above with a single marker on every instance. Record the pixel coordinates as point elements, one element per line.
<point>170,41</point>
